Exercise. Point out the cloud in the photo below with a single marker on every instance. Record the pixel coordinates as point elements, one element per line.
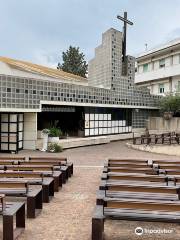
<point>39,31</point>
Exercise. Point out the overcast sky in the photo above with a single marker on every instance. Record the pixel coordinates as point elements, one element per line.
<point>39,30</point>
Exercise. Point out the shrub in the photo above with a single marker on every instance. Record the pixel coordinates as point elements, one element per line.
<point>45,131</point>
<point>170,103</point>
<point>54,147</point>
<point>55,132</point>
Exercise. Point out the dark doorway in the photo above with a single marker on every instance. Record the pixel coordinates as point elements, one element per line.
<point>69,119</point>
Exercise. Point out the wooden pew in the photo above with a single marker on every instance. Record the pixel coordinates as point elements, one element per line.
<point>22,189</point>
<point>62,168</point>
<point>59,160</point>
<point>13,215</point>
<point>48,171</point>
<point>34,178</point>
<point>13,158</point>
<point>133,210</point>
<point>127,164</point>
<point>147,188</point>
<point>134,177</point>
<point>166,161</point>
<point>146,170</point>
<point>68,167</point>
<point>130,160</point>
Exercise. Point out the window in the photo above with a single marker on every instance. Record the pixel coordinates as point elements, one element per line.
<point>161,88</point>
<point>145,67</point>
<point>162,63</point>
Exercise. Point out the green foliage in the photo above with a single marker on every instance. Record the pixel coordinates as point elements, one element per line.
<point>73,62</point>
<point>45,131</point>
<point>54,147</point>
<point>55,132</point>
<point>170,103</point>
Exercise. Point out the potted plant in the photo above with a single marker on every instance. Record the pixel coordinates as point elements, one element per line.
<point>45,133</point>
<point>54,134</point>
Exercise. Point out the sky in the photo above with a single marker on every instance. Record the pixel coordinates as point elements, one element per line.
<point>40,30</point>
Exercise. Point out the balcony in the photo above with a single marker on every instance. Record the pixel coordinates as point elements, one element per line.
<point>165,72</point>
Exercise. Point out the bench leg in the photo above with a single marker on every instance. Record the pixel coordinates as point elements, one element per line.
<point>39,200</point>
<point>57,183</point>
<point>45,193</point>
<point>8,232</point>
<point>97,229</point>
<point>69,171</point>
<point>31,207</point>
<point>72,171</point>
<point>51,189</point>
<point>20,217</point>
<point>63,177</point>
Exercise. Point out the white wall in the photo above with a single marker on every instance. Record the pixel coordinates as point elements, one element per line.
<point>30,130</point>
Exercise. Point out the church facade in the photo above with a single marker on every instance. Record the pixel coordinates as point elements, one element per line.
<point>33,97</point>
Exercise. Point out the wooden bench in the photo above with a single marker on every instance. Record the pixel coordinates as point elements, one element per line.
<point>134,177</point>
<point>127,164</point>
<point>165,161</point>
<point>63,169</point>
<point>22,189</point>
<point>48,171</point>
<point>60,161</point>
<point>13,215</point>
<point>131,160</point>
<point>133,210</point>
<point>34,178</point>
<point>146,170</point>
<point>13,158</point>
<point>52,162</point>
<point>134,187</point>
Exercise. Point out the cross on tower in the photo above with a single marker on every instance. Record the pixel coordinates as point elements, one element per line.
<point>126,21</point>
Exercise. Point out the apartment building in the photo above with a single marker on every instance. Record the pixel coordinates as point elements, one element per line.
<point>158,69</point>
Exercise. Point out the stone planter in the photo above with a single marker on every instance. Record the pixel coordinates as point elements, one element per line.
<point>53,139</point>
<point>167,115</point>
<point>45,142</point>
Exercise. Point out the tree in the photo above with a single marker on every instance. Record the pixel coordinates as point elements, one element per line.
<point>170,103</point>
<point>73,62</point>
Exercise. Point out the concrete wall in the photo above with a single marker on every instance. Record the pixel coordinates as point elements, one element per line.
<point>159,123</point>
<point>30,130</point>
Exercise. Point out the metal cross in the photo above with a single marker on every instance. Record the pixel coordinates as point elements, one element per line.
<point>126,21</point>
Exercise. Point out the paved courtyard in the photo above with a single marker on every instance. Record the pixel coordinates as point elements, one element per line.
<point>68,216</point>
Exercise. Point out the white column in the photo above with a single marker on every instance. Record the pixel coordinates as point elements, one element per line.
<point>30,130</point>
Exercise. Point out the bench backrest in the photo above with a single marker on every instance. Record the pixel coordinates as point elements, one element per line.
<point>14,185</point>
<point>13,158</point>
<point>133,170</point>
<point>21,174</point>
<point>135,177</point>
<point>9,162</point>
<point>130,160</point>
<point>142,204</point>
<point>48,163</point>
<point>58,159</point>
<point>127,164</point>
<point>141,188</point>
<point>29,168</point>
